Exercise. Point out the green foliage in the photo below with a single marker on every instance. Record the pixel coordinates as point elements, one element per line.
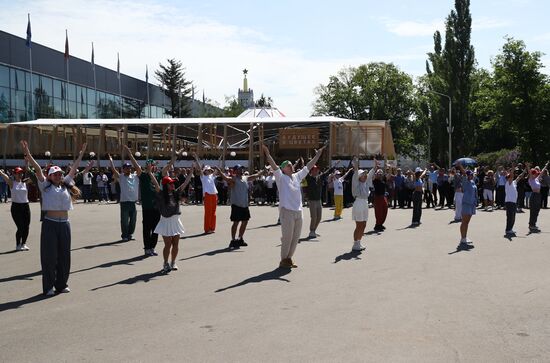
<point>264,102</point>
<point>373,91</point>
<point>233,108</point>
<point>176,87</point>
<point>504,157</point>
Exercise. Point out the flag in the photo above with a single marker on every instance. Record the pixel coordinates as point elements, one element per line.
<point>29,34</point>
<point>117,66</point>
<point>93,58</point>
<point>66,45</point>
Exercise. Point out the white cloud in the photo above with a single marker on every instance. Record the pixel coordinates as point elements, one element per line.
<point>145,32</point>
<point>484,22</point>
<point>409,28</point>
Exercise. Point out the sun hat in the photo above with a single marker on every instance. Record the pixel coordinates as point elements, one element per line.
<point>54,169</point>
<point>167,180</point>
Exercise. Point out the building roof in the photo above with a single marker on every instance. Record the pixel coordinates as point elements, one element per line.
<point>261,112</point>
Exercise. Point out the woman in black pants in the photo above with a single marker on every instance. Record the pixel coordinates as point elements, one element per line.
<point>417,196</point>
<point>58,195</point>
<point>20,211</point>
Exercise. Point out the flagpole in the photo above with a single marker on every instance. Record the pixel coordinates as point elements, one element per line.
<point>119,85</point>
<point>147,85</point>
<point>30,63</point>
<point>95,81</point>
<point>67,61</point>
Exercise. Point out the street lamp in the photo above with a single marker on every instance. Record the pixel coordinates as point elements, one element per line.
<point>449,125</point>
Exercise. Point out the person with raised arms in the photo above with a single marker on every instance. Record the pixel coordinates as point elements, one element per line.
<point>360,186</point>
<point>58,194</point>
<point>417,196</point>
<point>129,186</point>
<point>169,226</point>
<point>240,213</point>
<point>290,203</point>
<point>210,194</point>
<point>20,211</point>
<point>535,200</point>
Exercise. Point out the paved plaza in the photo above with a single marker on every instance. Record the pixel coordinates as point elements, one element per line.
<point>409,297</point>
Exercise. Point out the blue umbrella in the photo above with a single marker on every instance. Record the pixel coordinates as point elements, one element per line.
<point>466,162</point>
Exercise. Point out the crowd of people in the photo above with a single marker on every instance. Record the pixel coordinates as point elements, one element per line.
<point>291,186</point>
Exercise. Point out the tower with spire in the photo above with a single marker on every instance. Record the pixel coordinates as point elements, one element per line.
<point>246,95</point>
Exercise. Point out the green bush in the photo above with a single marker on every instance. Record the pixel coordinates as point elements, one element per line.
<point>504,157</point>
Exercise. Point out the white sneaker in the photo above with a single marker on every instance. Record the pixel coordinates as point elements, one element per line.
<point>469,241</point>
<point>51,292</point>
<point>24,247</point>
<point>173,266</point>
<point>357,246</point>
<point>66,290</point>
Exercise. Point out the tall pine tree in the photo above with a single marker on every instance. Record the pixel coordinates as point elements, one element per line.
<point>176,87</point>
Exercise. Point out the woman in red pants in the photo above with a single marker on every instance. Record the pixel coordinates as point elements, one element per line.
<point>210,195</point>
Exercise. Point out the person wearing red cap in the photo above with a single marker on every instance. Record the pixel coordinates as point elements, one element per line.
<point>58,195</point>
<point>290,203</point>
<point>20,211</point>
<point>169,226</point>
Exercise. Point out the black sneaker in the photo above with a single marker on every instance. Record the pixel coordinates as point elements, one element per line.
<point>234,244</point>
<point>242,243</point>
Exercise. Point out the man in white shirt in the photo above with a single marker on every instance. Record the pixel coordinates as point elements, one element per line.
<point>290,203</point>
<point>87,182</point>
<point>210,195</point>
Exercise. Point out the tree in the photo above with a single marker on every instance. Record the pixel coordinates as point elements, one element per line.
<point>264,102</point>
<point>373,91</point>
<point>521,98</point>
<point>450,69</point>
<point>176,87</point>
<point>233,108</point>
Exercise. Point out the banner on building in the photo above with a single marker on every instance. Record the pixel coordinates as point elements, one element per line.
<point>299,138</point>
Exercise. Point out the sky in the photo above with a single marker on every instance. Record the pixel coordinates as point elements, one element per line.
<point>289,47</point>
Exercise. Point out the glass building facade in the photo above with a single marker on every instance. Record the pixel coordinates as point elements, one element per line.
<point>46,93</point>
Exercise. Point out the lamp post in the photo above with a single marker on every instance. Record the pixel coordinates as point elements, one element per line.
<point>449,125</point>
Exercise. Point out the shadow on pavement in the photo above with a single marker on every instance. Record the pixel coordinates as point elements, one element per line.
<point>266,226</point>
<point>21,277</point>
<point>105,244</point>
<point>195,235</point>
<point>17,304</point>
<point>348,256</point>
<point>462,247</point>
<point>132,280</point>
<point>276,274</point>
<point>212,253</point>
<point>8,252</point>
<point>128,261</point>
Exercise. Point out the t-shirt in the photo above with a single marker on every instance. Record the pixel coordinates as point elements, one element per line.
<point>209,184</point>
<point>511,191</point>
<point>101,180</point>
<point>56,198</point>
<point>470,191</point>
<point>338,185</point>
<point>239,192</point>
<point>290,194</point>
<point>379,187</point>
<point>269,181</point>
<point>19,193</point>
<point>170,208</point>
<point>534,183</point>
<point>488,183</point>
<point>128,187</point>
<point>87,178</point>
<point>314,187</point>
<point>147,191</point>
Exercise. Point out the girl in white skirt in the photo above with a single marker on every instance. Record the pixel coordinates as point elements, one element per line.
<point>169,226</point>
<point>360,212</point>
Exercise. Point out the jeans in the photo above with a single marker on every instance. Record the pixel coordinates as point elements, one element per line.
<point>417,206</point>
<point>150,219</point>
<point>510,215</point>
<point>3,192</point>
<point>534,208</point>
<point>128,216</point>
<point>87,193</point>
<point>103,194</point>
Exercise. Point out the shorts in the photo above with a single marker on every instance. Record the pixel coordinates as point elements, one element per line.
<point>488,194</point>
<point>468,209</point>
<point>239,213</point>
<point>360,210</point>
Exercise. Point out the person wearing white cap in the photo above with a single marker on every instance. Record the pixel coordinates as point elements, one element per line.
<point>20,211</point>
<point>360,187</point>
<point>210,195</point>
<point>290,203</point>
<point>129,187</point>
<point>417,195</point>
<point>58,193</point>
<point>338,185</point>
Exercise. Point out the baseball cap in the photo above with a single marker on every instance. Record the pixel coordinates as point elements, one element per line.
<point>150,161</point>
<point>167,180</point>
<point>54,169</point>
<point>238,166</point>
<point>18,170</point>
<point>285,163</point>
<point>418,170</point>
<point>206,168</point>
<point>126,165</point>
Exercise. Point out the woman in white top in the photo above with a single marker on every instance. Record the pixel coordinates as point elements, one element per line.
<point>360,185</point>
<point>290,203</point>
<point>58,194</point>
<point>20,211</point>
